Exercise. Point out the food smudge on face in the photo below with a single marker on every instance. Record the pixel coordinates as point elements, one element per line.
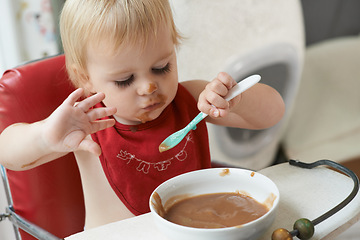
<point>224,172</point>
<point>152,88</point>
<point>144,117</point>
<point>216,210</point>
<point>160,100</point>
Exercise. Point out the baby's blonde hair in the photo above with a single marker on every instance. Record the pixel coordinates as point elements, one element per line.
<point>85,22</point>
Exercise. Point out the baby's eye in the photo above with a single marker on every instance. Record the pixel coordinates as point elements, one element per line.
<point>162,70</point>
<point>125,83</point>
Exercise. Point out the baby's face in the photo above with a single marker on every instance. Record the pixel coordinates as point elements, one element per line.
<point>139,82</point>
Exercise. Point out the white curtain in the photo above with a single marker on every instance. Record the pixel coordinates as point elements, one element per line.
<point>28,30</point>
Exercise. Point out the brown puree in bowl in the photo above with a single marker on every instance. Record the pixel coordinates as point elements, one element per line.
<point>216,210</point>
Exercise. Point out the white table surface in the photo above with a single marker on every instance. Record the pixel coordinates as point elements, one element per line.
<point>304,193</point>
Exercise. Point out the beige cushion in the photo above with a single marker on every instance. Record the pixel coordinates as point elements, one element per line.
<point>325,122</point>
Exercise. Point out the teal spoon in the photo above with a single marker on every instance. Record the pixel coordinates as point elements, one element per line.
<point>176,137</point>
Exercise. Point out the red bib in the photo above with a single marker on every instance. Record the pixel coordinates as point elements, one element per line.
<point>131,159</point>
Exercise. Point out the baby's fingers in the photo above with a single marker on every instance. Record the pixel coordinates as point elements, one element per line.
<point>226,79</point>
<point>101,125</point>
<point>98,113</point>
<point>91,101</point>
<point>74,96</point>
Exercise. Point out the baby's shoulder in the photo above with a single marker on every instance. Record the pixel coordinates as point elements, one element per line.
<point>194,87</point>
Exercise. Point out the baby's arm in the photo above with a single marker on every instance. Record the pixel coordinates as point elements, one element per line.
<point>259,107</point>
<point>24,146</point>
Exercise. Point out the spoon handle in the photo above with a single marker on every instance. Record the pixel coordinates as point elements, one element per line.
<point>172,140</point>
<point>242,86</point>
<point>233,92</point>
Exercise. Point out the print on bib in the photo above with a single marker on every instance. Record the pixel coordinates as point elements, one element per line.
<point>145,166</point>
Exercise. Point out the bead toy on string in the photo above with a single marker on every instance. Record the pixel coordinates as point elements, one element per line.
<point>304,228</point>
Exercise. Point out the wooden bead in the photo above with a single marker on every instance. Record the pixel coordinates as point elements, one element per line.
<point>305,228</point>
<point>281,234</point>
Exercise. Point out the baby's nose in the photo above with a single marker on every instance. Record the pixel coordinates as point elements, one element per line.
<point>148,88</point>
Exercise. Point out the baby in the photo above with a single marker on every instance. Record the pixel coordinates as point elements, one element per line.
<point>121,55</point>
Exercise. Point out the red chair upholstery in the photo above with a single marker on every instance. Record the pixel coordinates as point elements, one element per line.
<point>50,195</point>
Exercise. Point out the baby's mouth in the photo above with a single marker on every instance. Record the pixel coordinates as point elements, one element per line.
<point>157,102</point>
<point>146,115</point>
<point>152,107</point>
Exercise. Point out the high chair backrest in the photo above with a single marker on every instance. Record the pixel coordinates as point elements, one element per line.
<point>50,195</point>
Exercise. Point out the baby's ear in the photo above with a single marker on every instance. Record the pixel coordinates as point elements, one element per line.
<point>83,79</point>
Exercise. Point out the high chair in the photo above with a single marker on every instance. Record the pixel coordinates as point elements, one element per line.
<point>49,196</point>
<point>46,201</point>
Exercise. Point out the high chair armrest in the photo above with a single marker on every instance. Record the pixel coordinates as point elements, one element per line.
<point>29,227</point>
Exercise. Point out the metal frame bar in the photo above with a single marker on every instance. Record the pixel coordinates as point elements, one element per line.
<point>9,197</point>
<point>20,222</point>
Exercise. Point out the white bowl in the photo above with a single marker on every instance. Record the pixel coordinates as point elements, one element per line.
<point>214,180</point>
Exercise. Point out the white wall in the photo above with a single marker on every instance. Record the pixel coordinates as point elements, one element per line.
<point>27,31</point>
<point>9,37</point>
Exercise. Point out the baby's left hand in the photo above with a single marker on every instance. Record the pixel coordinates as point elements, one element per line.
<point>212,98</point>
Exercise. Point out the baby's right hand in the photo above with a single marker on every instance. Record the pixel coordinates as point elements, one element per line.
<point>67,128</point>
